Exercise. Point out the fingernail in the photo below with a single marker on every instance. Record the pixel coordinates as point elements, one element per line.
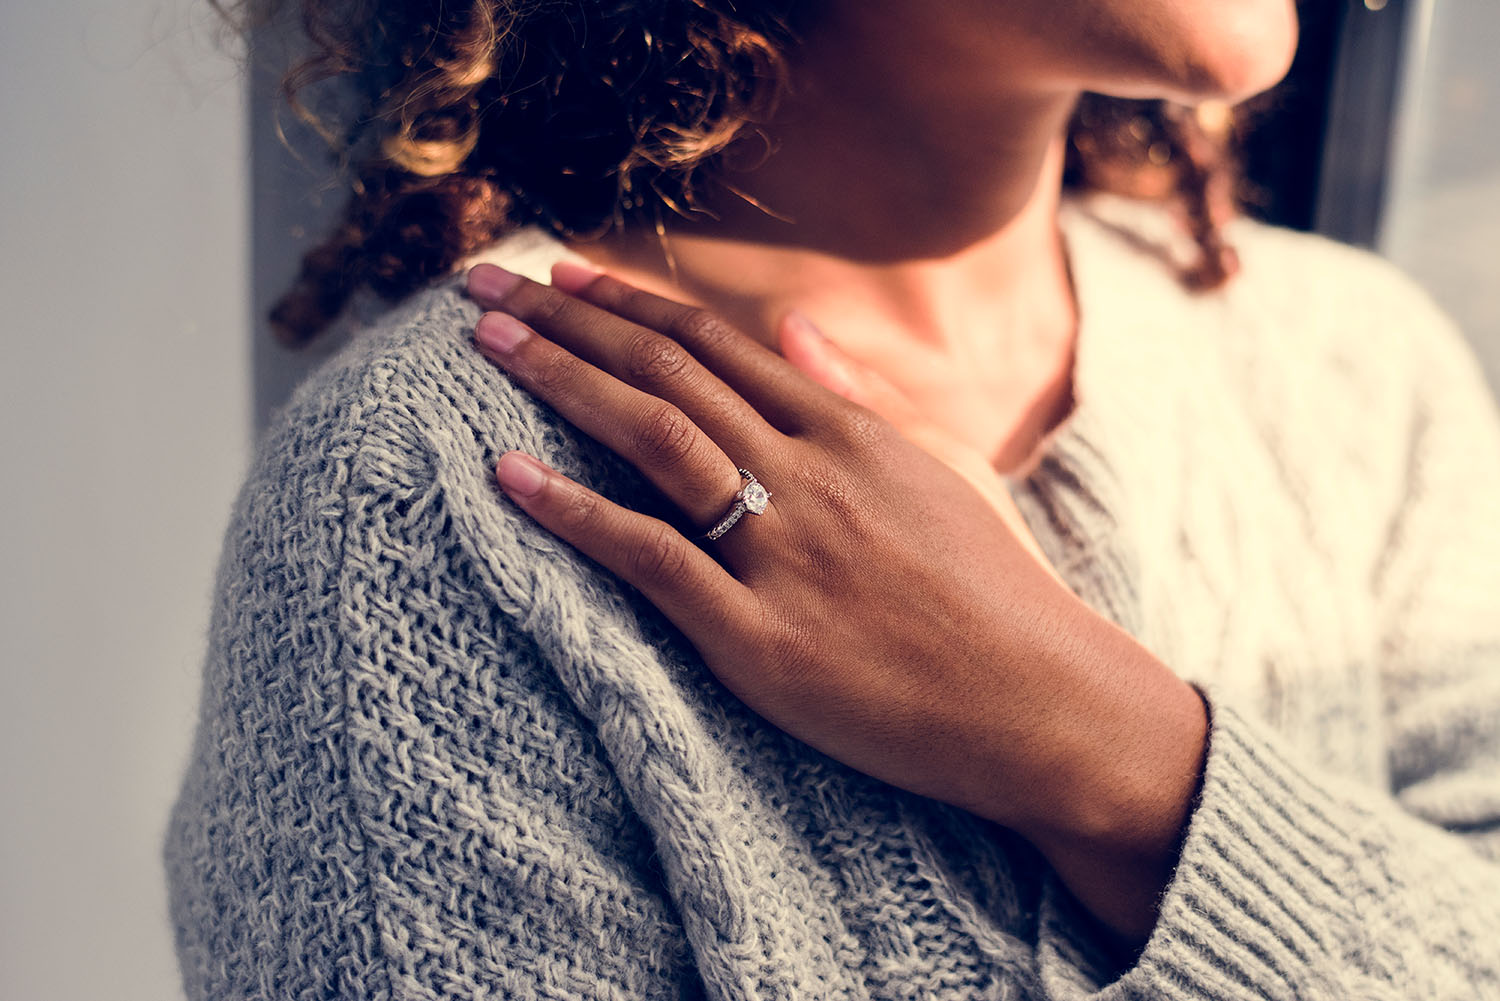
<point>489,281</point>
<point>520,474</point>
<point>573,278</point>
<point>801,321</point>
<point>500,332</point>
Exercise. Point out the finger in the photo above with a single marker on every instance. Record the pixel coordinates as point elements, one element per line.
<point>805,346</point>
<point>655,436</point>
<point>700,597</point>
<point>632,353</point>
<point>776,389</point>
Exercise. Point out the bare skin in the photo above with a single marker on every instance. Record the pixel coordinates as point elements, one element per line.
<point>913,185</point>
<point>912,191</point>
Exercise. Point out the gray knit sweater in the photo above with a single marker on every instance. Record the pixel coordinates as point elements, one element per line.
<point>441,755</point>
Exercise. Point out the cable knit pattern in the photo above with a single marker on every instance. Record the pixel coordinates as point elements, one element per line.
<point>441,755</point>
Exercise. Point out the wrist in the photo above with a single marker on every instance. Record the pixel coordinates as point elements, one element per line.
<point>1109,806</point>
<point>1130,784</point>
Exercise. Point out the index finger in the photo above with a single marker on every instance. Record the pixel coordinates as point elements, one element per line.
<point>773,385</point>
<point>635,354</point>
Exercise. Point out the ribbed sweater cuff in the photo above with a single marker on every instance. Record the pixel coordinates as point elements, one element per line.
<point>1265,900</point>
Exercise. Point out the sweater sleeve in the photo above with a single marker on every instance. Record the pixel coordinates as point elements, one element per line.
<point>1297,883</point>
<point>390,794</point>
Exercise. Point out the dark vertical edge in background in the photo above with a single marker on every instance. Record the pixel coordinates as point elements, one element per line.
<point>262,366</point>
<point>1361,121</point>
<point>293,200</point>
<point>1283,151</point>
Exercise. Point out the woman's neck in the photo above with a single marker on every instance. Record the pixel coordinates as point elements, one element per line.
<point>913,217</point>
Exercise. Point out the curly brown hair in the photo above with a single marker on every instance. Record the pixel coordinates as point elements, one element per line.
<point>474,117</point>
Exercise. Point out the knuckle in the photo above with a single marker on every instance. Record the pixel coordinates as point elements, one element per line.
<point>865,431</point>
<point>836,495</point>
<point>651,359</point>
<point>819,560</point>
<point>553,370</point>
<point>863,427</point>
<point>540,303</point>
<point>658,555</point>
<point>580,509</point>
<point>700,329</point>
<point>665,435</point>
<point>850,509</point>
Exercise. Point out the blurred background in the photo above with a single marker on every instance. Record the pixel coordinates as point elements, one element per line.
<point>149,213</point>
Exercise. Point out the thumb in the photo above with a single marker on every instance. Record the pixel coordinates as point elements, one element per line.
<point>804,345</point>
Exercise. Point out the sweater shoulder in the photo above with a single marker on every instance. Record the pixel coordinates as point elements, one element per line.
<point>1312,335</point>
<point>1333,341</point>
<point>1296,294</point>
<point>409,403</point>
<point>408,385</point>
<point>1296,394</point>
<point>384,649</point>
<point>1332,297</point>
<point>399,365</point>
<point>387,453</point>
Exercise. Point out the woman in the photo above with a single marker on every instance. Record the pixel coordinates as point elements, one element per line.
<point>761,683</point>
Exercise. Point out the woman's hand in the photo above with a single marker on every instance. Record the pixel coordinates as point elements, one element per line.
<point>820,359</point>
<point>879,609</point>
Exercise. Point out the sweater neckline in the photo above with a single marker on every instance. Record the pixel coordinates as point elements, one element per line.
<point>1096,363</point>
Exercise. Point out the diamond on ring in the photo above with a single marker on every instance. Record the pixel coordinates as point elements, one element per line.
<point>752,497</point>
<point>756,497</point>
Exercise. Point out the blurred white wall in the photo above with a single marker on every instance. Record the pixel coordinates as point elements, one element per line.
<point>1443,208</point>
<point>124,431</point>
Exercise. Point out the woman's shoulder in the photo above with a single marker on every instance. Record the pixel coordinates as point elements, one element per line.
<point>1302,296</point>
<point>1320,363</point>
<point>385,455</point>
<point>388,711</point>
<point>1344,299</point>
<point>1309,333</point>
<point>421,346</point>
<point>408,388</point>
<point>408,357</point>
<point>1352,333</point>
<point>373,424</point>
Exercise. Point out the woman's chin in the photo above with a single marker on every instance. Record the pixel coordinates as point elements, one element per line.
<point>1238,53</point>
<point>1247,56</point>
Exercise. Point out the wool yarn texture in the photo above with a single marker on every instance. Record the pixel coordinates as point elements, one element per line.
<point>441,755</point>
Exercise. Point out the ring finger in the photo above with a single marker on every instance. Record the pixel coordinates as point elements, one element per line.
<point>652,434</point>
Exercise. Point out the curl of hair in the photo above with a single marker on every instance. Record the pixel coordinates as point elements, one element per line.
<point>479,116</point>
<point>1166,153</point>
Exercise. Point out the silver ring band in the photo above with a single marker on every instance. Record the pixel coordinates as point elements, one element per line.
<point>752,497</point>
